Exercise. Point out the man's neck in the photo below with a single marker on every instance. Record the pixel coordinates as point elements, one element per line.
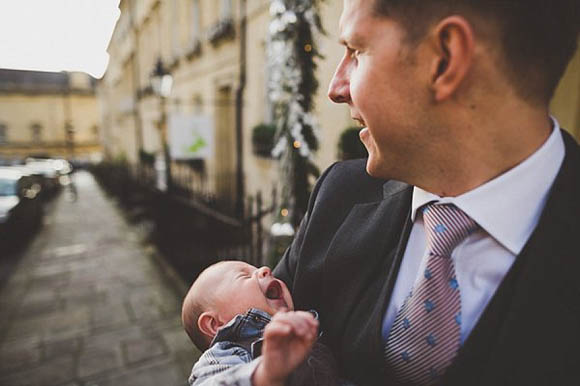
<point>485,149</point>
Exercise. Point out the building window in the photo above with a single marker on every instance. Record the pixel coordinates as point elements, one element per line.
<point>226,9</point>
<point>224,27</point>
<point>3,131</point>
<point>175,43</point>
<point>195,21</point>
<point>95,130</point>
<point>197,104</point>
<point>194,43</point>
<point>36,133</point>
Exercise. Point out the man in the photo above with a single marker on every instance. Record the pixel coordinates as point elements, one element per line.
<point>452,258</point>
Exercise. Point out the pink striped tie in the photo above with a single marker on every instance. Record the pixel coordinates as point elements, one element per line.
<point>425,335</point>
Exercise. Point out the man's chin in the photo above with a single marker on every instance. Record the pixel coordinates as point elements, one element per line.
<point>376,169</point>
<point>371,166</point>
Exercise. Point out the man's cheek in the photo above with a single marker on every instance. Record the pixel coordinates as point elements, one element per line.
<point>356,87</point>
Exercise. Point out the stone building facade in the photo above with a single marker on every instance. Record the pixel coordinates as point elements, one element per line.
<point>52,114</point>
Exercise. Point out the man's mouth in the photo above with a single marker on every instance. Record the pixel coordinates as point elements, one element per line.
<point>360,122</point>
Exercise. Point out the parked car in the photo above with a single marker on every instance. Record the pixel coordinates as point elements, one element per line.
<point>21,210</point>
<point>50,170</point>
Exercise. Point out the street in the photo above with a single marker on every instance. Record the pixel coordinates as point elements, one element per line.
<point>87,303</point>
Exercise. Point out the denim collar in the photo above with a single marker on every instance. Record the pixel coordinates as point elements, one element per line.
<point>247,330</point>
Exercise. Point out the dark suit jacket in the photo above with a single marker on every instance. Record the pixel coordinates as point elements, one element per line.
<point>345,259</point>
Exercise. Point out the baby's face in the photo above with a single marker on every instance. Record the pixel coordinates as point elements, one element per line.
<point>243,286</point>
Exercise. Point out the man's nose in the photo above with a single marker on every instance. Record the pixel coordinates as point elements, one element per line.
<point>339,88</point>
<point>264,272</point>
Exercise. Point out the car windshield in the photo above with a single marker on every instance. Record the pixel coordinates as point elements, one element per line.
<point>8,187</point>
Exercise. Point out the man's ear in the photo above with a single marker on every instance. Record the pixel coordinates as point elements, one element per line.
<point>454,45</point>
<point>209,323</point>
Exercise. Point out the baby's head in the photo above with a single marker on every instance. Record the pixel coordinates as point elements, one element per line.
<point>226,289</point>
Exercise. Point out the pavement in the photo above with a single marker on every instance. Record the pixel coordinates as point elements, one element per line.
<point>88,303</point>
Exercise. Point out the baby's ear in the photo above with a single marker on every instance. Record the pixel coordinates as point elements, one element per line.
<point>208,323</point>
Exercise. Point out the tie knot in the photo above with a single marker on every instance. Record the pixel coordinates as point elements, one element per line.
<point>446,226</point>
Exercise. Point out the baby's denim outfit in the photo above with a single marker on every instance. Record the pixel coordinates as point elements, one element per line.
<point>228,361</point>
<point>230,358</point>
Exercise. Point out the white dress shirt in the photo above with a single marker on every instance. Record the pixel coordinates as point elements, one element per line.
<point>507,209</point>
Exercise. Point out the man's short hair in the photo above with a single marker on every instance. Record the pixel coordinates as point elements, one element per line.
<point>537,37</point>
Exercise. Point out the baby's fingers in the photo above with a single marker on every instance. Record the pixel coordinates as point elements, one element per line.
<point>277,330</point>
<point>302,323</point>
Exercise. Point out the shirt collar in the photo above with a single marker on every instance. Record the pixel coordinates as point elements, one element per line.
<point>508,207</point>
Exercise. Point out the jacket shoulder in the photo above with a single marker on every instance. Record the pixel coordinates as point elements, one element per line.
<point>350,180</point>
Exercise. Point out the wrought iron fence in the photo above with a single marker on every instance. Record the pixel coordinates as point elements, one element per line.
<point>193,226</point>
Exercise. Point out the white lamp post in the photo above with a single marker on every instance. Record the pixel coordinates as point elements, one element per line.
<point>161,82</point>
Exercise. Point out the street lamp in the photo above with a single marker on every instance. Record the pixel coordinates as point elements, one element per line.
<point>161,82</point>
<point>70,139</point>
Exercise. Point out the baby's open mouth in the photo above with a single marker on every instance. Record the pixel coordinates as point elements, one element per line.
<point>274,290</point>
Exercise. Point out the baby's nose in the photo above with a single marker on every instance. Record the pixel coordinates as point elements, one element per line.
<point>264,271</point>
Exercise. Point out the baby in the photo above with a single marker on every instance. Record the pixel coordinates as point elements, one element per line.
<point>236,313</point>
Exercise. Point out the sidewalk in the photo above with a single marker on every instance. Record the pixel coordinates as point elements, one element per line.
<point>87,305</point>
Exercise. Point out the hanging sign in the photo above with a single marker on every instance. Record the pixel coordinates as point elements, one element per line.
<point>190,136</point>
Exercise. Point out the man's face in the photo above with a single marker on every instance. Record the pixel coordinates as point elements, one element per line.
<point>377,78</point>
<point>243,286</point>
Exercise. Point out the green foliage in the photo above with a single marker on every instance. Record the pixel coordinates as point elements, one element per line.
<point>310,138</point>
<point>146,157</point>
<point>120,158</point>
<point>263,139</point>
<point>350,145</point>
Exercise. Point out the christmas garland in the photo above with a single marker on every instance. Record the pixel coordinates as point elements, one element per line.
<point>292,85</point>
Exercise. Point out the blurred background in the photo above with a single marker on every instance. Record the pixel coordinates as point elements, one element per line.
<point>136,148</point>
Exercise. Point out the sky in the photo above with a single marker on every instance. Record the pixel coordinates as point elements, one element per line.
<point>57,35</point>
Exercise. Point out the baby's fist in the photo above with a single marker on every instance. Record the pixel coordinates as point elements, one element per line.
<point>288,339</point>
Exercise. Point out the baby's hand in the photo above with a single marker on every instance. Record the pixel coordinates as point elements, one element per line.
<point>288,339</point>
